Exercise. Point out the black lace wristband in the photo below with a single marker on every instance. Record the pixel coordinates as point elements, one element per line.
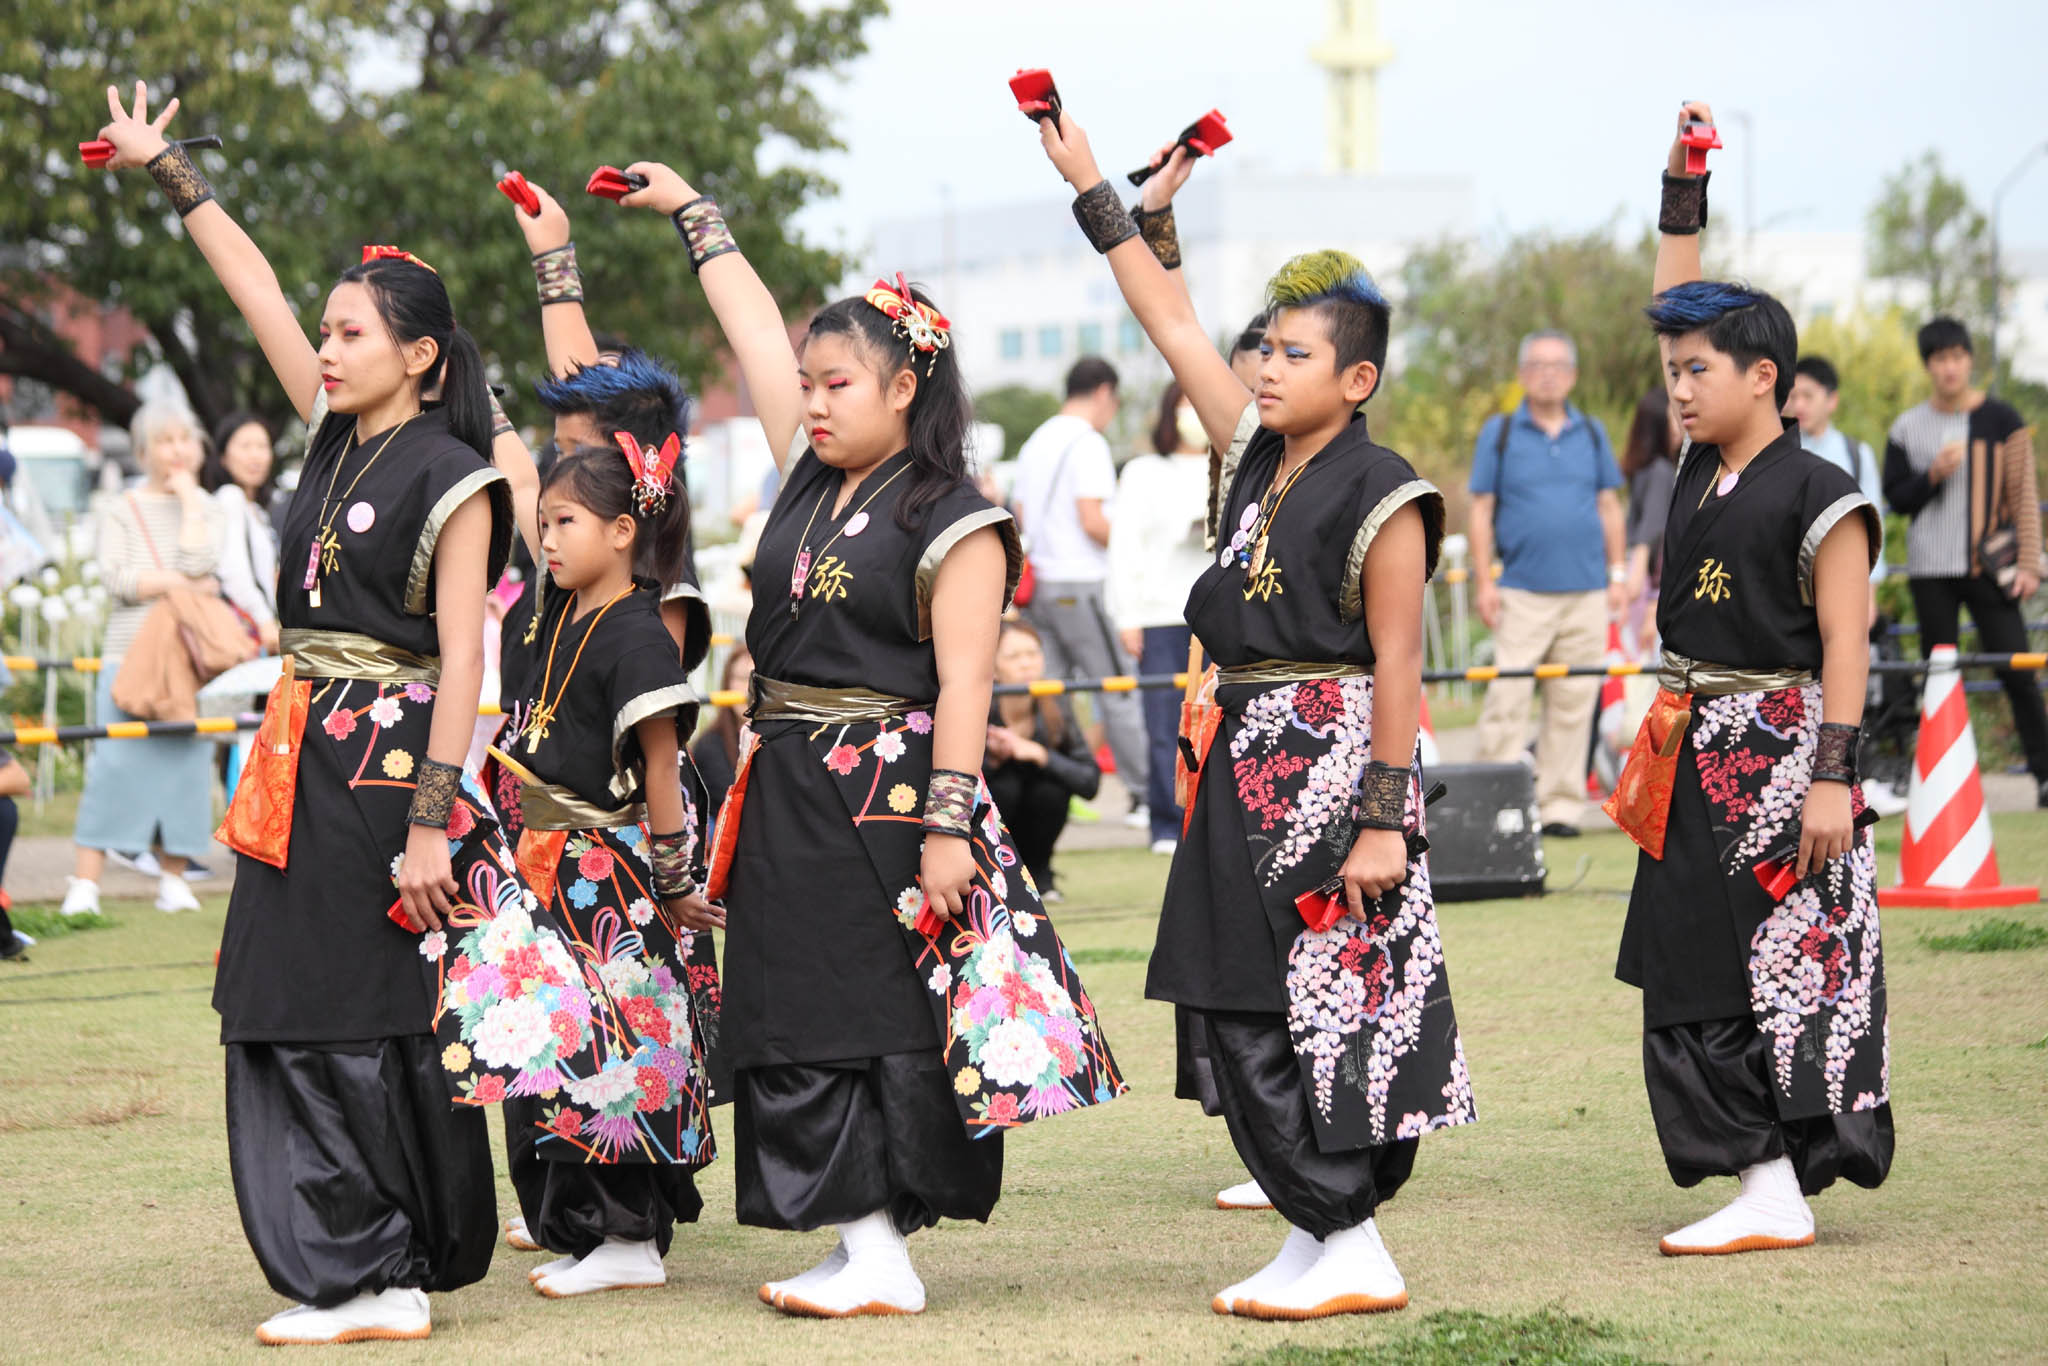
<point>1683,211</point>
<point>701,225</point>
<point>670,854</point>
<point>1156,227</point>
<point>175,173</point>
<point>1834,753</point>
<point>949,803</point>
<point>1382,800</point>
<point>1103,218</point>
<point>433,799</point>
<point>556,277</point>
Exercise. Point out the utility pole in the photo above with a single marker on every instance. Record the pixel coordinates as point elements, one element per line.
<point>2012,178</point>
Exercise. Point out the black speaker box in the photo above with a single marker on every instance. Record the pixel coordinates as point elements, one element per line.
<point>1485,839</point>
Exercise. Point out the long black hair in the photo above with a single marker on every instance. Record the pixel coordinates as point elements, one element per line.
<point>213,471</point>
<point>601,479</point>
<point>940,411</point>
<point>1649,432</point>
<point>414,303</point>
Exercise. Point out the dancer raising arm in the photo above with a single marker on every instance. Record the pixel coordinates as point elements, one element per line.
<point>895,996</point>
<point>1764,1032</point>
<point>361,1184</point>
<point>1331,1049</point>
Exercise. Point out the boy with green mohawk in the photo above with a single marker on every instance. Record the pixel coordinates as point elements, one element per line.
<point>1298,930</point>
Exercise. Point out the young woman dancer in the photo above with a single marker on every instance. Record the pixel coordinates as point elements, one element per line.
<point>1332,1050</point>
<point>895,996</point>
<point>611,844</point>
<point>360,1039</point>
<point>1764,1031</point>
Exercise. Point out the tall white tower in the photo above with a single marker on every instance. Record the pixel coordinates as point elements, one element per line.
<point>1353,54</point>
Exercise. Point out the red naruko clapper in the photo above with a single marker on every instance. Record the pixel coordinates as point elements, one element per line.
<point>515,188</point>
<point>1202,137</point>
<point>611,183</point>
<point>1037,96</point>
<point>1697,139</point>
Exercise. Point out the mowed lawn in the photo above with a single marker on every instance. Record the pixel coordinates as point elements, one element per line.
<point>119,1238</point>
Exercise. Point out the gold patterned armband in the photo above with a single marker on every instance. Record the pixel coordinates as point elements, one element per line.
<point>949,803</point>
<point>175,173</point>
<point>701,225</point>
<point>1156,227</point>
<point>1382,801</point>
<point>434,798</point>
<point>1103,218</point>
<point>556,276</point>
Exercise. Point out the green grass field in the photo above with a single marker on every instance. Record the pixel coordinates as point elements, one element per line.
<point>1531,1236</point>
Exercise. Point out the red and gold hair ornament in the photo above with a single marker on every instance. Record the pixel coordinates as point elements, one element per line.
<point>395,254</point>
<point>653,470</point>
<point>923,326</point>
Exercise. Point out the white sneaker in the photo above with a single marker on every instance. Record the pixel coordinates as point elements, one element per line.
<point>1297,1255</point>
<point>1243,1195</point>
<point>81,897</point>
<point>393,1314</point>
<point>1769,1213</point>
<point>614,1264</point>
<point>173,895</point>
<point>1140,818</point>
<point>803,1283</point>
<point>517,1238</point>
<point>877,1278</point>
<point>1882,797</point>
<point>1353,1276</point>
<point>144,863</point>
<point>1165,846</point>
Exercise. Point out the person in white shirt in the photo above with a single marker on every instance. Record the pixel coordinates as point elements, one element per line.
<point>1155,556</point>
<point>241,473</point>
<point>1064,484</point>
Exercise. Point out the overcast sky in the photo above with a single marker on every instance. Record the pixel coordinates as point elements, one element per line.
<point>1558,112</point>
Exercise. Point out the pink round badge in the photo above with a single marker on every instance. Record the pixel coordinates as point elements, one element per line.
<point>361,517</point>
<point>856,524</point>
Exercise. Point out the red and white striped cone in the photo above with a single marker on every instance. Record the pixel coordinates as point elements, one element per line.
<point>1607,716</point>
<point>1946,860</point>
<point>1425,736</point>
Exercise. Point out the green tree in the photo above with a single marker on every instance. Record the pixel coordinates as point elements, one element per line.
<point>316,165</point>
<point>1459,321</point>
<point>1018,410</point>
<point>1924,228</point>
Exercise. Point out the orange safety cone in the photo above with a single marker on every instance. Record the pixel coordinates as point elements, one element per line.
<point>1946,860</point>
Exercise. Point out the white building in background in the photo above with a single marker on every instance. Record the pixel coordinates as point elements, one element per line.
<point>1033,296</point>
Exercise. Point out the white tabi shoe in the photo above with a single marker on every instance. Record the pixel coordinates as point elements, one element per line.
<point>390,1315</point>
<point>1243,1195</point>
<point>1353,1276</point>
<point>517,1238</point>
<point>877,1277</point>
<point>614,1264</point>
<point>834,1262</point>
<point>1297,1255</point>
<point>554,1268</point>
<point>1769,1213</point>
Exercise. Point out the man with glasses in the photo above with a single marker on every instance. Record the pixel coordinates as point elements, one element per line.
<point>1543,493</point>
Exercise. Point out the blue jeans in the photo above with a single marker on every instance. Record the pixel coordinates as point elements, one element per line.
<point>1165,652</point>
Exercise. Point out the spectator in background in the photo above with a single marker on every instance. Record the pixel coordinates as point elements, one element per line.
<point>1037,761</point>
<point>241,473</point>
<point>1065,481</point>
<point>1815,396</point>
<point>14,782</point>
<point>1155,556</point>
<point>1649,463</point>
<point>1961,466</point>
<point>154,792</point>
<point>717,750</point>
<point>1543,487</point>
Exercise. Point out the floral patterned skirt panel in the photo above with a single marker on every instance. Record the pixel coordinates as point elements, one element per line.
<point>1812,963</point>
<point>651,1093</point>
<point>1368,1005</point>
<point>1002,1001</point>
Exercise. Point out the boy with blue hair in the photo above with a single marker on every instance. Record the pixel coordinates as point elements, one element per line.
<point>1752,929</point>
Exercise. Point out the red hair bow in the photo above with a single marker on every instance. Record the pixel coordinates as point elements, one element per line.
<point>395,254</point>
<point>923,326</point>
<point>653,470</point>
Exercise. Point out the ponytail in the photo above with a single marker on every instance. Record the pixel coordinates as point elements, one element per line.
<point>465,393</point>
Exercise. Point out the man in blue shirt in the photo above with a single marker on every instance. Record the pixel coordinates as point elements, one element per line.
<point>1543,492</point>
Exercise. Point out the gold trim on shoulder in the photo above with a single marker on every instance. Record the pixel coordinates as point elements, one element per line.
<point>1351,601</point>
<point>942,546</point>
<point>675,697</point>
<point>430,533</point>
<point>1834,512</point>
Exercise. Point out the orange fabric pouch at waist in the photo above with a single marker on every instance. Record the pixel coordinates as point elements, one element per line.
<point>727,837</point>
<point>1641,803</point>
<point>259,818</point>
<point>539,857</point>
